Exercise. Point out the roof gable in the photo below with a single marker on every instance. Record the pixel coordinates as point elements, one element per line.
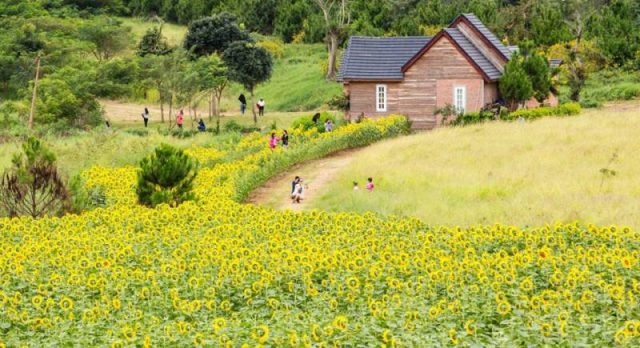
<point>484,33</point>
<point>378,58</point>
<point>466,48</point>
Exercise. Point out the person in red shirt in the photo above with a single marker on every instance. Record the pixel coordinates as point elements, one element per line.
<point>180,119</point>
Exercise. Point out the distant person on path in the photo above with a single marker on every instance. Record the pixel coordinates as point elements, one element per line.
<point>273,142</point>
<point>261,105</point>
<point>243,103</point>
<point>295,181</point>
<point>201,126</point>
<point>315,118</point>
<point>328,126</point>
<point>145,117</point>
<point>296,196</point>
<point>285,139</point>
<point>180,119</point>
<point>370,185</point>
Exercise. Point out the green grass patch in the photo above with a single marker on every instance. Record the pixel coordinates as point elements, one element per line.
<point>526,174</point>
<point>173,32</point>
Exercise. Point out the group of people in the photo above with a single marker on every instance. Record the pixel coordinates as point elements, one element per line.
<point>179,120</point>
<point>243,105</point>
<point>273,141</point>
<point>369,186</point>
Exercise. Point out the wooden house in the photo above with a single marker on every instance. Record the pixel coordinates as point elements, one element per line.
<point>460,66</point>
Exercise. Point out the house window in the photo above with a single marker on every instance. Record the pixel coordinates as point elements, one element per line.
<point>381,97</point>
<point>460,99</point>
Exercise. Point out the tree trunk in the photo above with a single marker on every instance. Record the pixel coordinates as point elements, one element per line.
<point>33,97</point>
<point>211,106</point>
<point>253,107</point>
<point>333,49</point>
<point>170,111</point>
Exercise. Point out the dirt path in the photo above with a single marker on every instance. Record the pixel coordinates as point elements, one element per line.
<point>316,175</point>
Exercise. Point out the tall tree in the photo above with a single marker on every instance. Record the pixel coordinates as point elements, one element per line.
<point>337,17</point>
<point>515,85</point>
<point>153,42</point>
<point>248,65</point>
<point>213,34</point>
<point>578,14</point>
<point>537,68</point>
<point>617,31</point>
<point>107,35</point>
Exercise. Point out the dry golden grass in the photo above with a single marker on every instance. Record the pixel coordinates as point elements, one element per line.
<point>517,173</point>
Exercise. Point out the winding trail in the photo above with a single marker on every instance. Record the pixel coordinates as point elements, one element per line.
<point>316,175</point>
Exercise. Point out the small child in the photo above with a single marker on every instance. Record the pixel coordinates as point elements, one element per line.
<point>273,142</point>
<point>355,186</point>
<point>370,185</point>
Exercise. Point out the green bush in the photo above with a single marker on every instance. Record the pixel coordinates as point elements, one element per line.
<point>567,109</point>
<point>306,122</point>
<point>166,176</point>
<point>473,117</point>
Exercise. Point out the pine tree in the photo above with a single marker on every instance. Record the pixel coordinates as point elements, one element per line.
<point>166,176</point>
<point>515,85</point>
<point>33,185</point>
<point>537,68</point>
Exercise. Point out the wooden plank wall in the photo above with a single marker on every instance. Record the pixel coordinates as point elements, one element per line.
<point>418,93</point>
<point>362,98</point>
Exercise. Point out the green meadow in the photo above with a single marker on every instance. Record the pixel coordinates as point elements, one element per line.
<point>555,169</point>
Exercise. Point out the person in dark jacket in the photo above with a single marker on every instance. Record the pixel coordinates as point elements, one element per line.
<point>243,103</point>
<point>285,139</point>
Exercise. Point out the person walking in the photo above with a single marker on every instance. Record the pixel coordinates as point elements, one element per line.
<point>145,117</point>
<point>285,139</point>
<point>180,119</point>
<point>298,191</point>
<point>261,104</point>
<point>201,126</point>
<point>243,103</point>
<point>295,181</point>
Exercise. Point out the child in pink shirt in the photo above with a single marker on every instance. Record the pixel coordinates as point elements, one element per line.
<point>370,184</point>
<point>273,142</point>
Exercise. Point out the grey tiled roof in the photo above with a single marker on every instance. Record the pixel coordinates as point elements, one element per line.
<point>472,51</point>
<point>378,58</point>
<point>488,34</point>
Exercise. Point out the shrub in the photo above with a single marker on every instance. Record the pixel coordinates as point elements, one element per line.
<point>166,176</point>
<point>275,47</point>
<point>33,185</point>
<point>473,117</point>
<point>306,122</point>
<point>339,102</point>
<point>567,109</point>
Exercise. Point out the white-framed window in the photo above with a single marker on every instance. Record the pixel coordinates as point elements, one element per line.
<point>381,97</point>
<point>460,98</point>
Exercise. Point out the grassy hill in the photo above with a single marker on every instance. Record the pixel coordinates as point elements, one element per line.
<point>297,82</point>
<point>555,169</point>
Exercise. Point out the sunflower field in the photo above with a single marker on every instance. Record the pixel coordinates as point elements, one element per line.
<point>215,272</point>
